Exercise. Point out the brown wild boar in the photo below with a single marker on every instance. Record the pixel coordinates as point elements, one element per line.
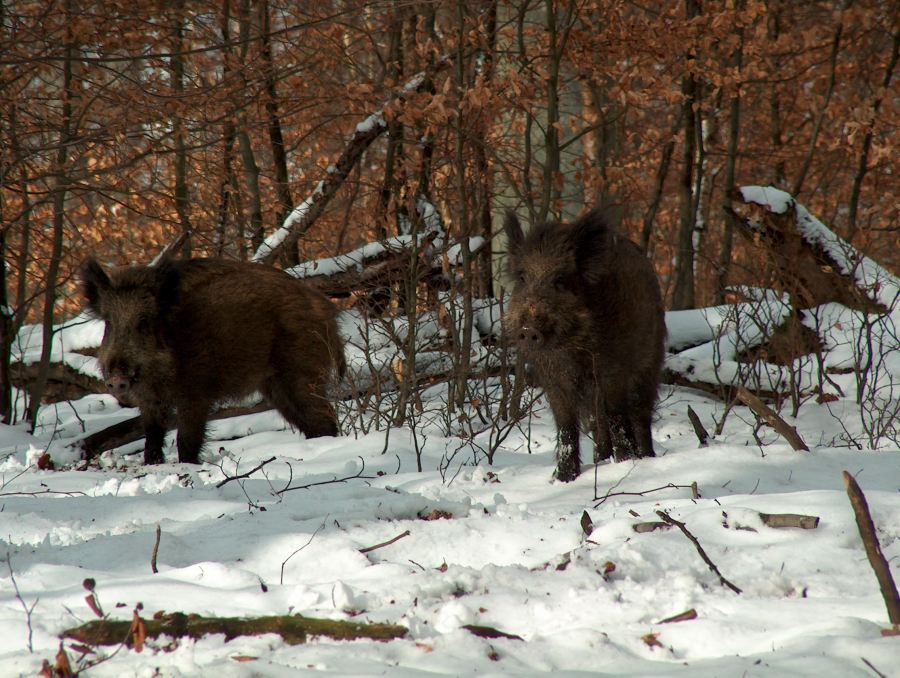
<point>182,335</point>
<point>587,314</point>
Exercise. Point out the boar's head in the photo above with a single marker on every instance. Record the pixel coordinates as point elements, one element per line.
<point>136,362</point>
<point>555,269</point>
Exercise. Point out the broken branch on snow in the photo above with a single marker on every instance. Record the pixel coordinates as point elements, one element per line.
<point>873,548</point>
<point>293,629</point>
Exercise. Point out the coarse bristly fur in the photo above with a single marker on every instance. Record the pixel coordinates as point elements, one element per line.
<point>183,335</point>
<point>587,314</point>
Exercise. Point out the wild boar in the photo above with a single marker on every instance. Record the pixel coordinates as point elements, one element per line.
<point>183,335</point>
<point>587,314</point>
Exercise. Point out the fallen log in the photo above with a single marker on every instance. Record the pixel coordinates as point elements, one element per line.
<point>808,260</point>
<point>779,520</point>
<point>293,629</point>
<point>63,382</point>
<point>304,215</point>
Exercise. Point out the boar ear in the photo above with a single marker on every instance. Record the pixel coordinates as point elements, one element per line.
<point>593,242</point>
<point>168,277</point>
<point>94,282</point>
<point>513,228</point>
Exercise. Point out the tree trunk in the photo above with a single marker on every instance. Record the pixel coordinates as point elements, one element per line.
<point>276,139</point>
<point>60,190</point>
<point>662,170</point>
<point>817,128</point>
<point>549,188</point>
<point>229,136</point>
<point>683,293</point>
<point>6,326</point>
<point>394,151</point>
<point>482,168</point>
<point>862,164</point>
<point>734,130</point>
<point>773,30</point>
<point>251,169</point>
<point>176,66</point>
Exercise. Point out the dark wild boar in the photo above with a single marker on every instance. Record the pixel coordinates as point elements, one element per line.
<point>182,335</point>
<point>587,315</point>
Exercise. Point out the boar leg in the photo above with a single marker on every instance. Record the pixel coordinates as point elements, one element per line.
<point>640,432</point>
<point>640,418</point>
<point>568,453</point>
<point>192,416</point>
<point>154,436</point>
<point>622,439</point>
<point>306,408</point>
<point>603,438</point>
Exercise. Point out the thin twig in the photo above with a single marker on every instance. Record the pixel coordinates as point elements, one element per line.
<point>358,474</point>
<point>309,541</point>
<point>712,566</point>
<point>28,610</point>
<point>670,486</point>
<point>869,664</point>
<point>386,543</point>
<point>72,493</point>
<point>228,479</point>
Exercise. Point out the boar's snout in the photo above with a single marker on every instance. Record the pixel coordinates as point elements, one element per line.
<point>119,386</point>
<point>530,337</point>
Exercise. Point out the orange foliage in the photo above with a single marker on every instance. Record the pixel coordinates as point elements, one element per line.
<point>617,68</point>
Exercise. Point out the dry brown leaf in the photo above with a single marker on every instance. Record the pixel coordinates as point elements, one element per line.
<point>651,640</point>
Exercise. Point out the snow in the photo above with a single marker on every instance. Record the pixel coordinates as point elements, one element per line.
<point>497,545</point>
<point>350,261</point>
<point>509,553</point>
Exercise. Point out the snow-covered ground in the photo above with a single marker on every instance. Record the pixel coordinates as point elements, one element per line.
<point>500,546</point>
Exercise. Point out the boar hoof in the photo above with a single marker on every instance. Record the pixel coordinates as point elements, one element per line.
<point>566,473</point>
<point>154,457</point>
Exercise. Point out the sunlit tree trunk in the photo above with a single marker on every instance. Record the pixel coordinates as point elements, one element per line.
<point>683,292</point>
<point>393,154</point>
<point>176,66</point>
<point>256,232</point>
<point>273,121</point>
<point>734,132</point>
<point>60,191</point>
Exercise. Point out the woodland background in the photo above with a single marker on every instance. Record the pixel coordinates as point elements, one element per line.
<point>125,127</point>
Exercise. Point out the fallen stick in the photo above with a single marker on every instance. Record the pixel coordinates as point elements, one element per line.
<point>386,543</point>
<point>768,415</point>
<point>789,520</point>
<point>489,632</point>
<point>873,548</point>
<point>650,526</point>
<point>687,615</point>
<point>294,629</point>
<point>699,429</point>
<point>712,566</point>
<point>155,550</point>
